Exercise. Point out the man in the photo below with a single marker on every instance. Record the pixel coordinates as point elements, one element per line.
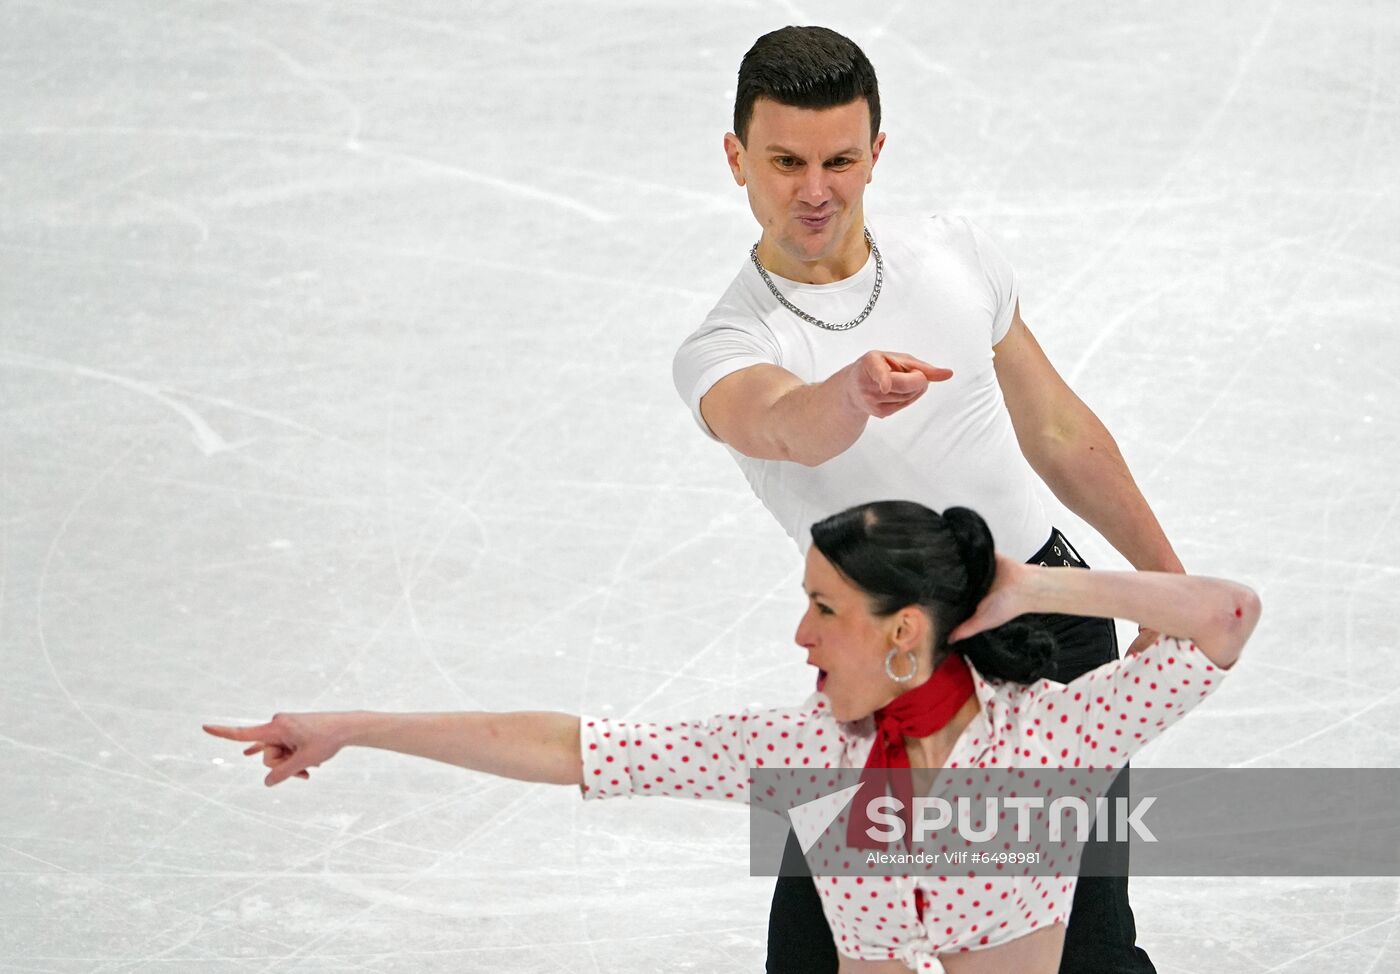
<point>837,354</point>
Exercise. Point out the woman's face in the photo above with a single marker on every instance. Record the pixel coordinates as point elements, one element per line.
<point>848,644</point>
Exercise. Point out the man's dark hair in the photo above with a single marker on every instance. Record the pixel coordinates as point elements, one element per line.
<point>807,67</point>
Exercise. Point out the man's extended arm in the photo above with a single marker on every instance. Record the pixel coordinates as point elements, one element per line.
<point>1074,453</point>
<point>766,412</point>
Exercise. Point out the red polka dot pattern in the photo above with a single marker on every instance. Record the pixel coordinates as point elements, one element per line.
<point>1096,722</point>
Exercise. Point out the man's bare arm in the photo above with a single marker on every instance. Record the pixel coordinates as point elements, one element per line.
<point>766,412</point>
<point>1074,453</point>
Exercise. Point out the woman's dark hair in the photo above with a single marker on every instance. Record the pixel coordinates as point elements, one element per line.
<point>901,553</point>
<point>808,67</point>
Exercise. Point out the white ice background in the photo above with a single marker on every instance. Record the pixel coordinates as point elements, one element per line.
<point>335,347</point>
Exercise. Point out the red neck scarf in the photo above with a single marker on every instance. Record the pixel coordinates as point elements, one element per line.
<point>919,712</point>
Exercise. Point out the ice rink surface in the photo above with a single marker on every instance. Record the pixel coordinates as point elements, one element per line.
<point>335,347</point>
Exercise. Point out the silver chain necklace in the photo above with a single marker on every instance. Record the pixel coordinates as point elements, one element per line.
<point>869,305</point>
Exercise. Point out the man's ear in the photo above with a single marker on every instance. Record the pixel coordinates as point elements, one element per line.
<point>875,149</point>
<point>734,152</point>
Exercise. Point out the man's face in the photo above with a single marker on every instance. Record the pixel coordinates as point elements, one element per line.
<point>805,171</point>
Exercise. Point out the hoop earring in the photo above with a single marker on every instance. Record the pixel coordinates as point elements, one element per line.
<point>889,666</point>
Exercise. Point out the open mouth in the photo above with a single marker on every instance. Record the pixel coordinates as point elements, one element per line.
<point>821,679</point>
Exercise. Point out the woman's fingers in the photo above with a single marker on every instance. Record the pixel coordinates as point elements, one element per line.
<point>293,766</point>
<point>970,626</point>
<point>282,764</point>
<point>281,754</point>
<point>275,754</point>
<point>258,733</point>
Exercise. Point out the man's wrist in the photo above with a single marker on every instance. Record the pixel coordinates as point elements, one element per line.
<point>1164,561</point>
<point>848,386</point>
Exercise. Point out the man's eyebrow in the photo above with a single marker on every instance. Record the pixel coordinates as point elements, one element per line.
<point>784,151</point>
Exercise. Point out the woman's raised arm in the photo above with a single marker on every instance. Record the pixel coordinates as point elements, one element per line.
<point>1215,614</point>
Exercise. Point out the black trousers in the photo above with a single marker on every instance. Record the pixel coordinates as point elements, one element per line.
<point>1101,936</point>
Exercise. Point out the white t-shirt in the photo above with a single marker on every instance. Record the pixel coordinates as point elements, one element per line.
<point>947,297</point>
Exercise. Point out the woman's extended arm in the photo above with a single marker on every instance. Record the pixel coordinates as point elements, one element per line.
<point>1217,615</point>
<point>542,747</point>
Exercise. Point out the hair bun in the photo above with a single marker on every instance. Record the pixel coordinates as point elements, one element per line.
<point>974,541</point>
<point>1016,652</point>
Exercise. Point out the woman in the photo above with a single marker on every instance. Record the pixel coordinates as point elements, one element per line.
<point>909,623</point>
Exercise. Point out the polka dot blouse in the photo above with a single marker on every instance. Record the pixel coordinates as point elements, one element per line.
<point>1098,721</point>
